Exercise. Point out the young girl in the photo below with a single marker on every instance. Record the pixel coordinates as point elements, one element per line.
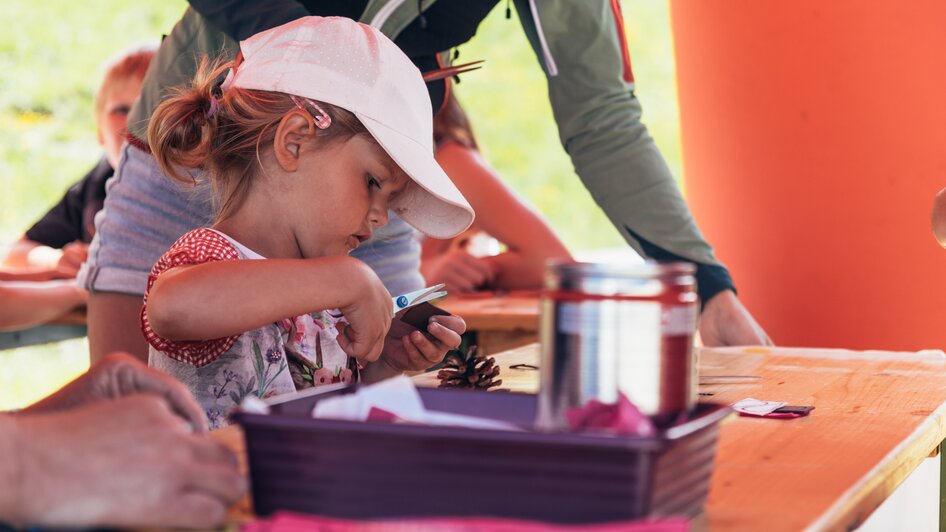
<point>323,126</point>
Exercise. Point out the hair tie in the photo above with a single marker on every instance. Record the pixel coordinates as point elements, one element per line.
<point>228,80</point>
<point>231,74</point>
<point>214,107</point>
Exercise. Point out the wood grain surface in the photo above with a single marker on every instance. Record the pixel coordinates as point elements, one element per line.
<point>877,416</point>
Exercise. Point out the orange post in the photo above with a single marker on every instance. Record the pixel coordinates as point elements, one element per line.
<point>814,140</point>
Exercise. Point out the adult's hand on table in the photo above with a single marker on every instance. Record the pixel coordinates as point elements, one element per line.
<point>128,462</point>
<point>369,316</point>
<point>725,321</point>
<point>460,271</point>
<point>120,375</point>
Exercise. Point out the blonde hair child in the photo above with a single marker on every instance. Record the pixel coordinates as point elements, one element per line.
<point>323,127</point>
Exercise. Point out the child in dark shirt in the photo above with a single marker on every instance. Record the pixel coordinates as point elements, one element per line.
<point>57,243</point>
<point>36,275</point>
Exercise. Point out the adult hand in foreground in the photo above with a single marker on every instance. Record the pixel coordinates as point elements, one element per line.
<point>725,321</point>
<point>128,462</point>
<point>119,375</point>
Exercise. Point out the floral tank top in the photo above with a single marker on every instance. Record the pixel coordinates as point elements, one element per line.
<point>278,358</point>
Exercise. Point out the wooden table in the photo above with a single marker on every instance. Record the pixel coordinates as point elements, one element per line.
<point>877,416</point>
<point>70,326</point>
<point>497,322</point>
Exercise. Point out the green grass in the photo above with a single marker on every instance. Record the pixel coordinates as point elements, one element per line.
<point>31,373</point>
<point>50,54</point>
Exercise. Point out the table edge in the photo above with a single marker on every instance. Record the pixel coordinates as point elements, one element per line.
<point>859,501</point>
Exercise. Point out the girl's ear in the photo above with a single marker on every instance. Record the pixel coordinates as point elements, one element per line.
<point>293,131</point>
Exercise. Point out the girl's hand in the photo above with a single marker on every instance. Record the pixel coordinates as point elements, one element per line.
<point>415,351</point>
<point>368,315</point>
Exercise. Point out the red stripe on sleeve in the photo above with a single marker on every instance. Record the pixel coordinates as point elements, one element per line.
<point>196,247</point>
<point>628,74</point>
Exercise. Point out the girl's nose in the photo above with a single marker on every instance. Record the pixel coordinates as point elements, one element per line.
<point>379,216</point>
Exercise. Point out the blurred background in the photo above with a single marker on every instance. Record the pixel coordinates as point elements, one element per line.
<point>50,57</point>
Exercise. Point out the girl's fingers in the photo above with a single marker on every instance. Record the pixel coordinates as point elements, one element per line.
<point>452,322</point>
<point>448,339</point>
<point>415,359</point>
<point>356,347</point>
<point>431,353</point>
<point>343,340</point>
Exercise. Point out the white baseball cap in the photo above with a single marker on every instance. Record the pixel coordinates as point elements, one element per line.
<point>354,66</point>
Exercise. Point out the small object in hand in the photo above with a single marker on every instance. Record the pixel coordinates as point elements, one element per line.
<point>419,316</point>
<point>416,318</point>
<point>475,371</point>
<point>417,297</point>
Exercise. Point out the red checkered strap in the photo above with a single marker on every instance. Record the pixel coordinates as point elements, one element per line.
<point>196,247</point>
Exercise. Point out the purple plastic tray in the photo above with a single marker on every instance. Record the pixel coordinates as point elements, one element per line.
<point>379,470</point>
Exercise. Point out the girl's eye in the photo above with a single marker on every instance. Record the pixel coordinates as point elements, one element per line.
<point>372,182</point>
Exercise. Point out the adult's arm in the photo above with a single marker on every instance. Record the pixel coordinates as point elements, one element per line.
<point>591,87</point>
<point>599,118</point>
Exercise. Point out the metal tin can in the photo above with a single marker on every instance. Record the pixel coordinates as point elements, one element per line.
<point>609,329</point>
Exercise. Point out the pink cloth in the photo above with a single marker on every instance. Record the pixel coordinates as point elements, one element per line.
<point>289,522</point>
<point>620,418</point>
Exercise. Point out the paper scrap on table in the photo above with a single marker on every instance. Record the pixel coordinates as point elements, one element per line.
<point>396,400</point>
<point>757,407</point>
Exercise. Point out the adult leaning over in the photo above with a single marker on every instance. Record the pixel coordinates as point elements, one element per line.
<point>579,46</point>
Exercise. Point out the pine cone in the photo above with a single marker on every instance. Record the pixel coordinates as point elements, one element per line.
<point>474,371</point>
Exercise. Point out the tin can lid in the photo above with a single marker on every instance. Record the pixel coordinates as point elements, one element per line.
<point>647,268</point>
<point>649,276</point>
